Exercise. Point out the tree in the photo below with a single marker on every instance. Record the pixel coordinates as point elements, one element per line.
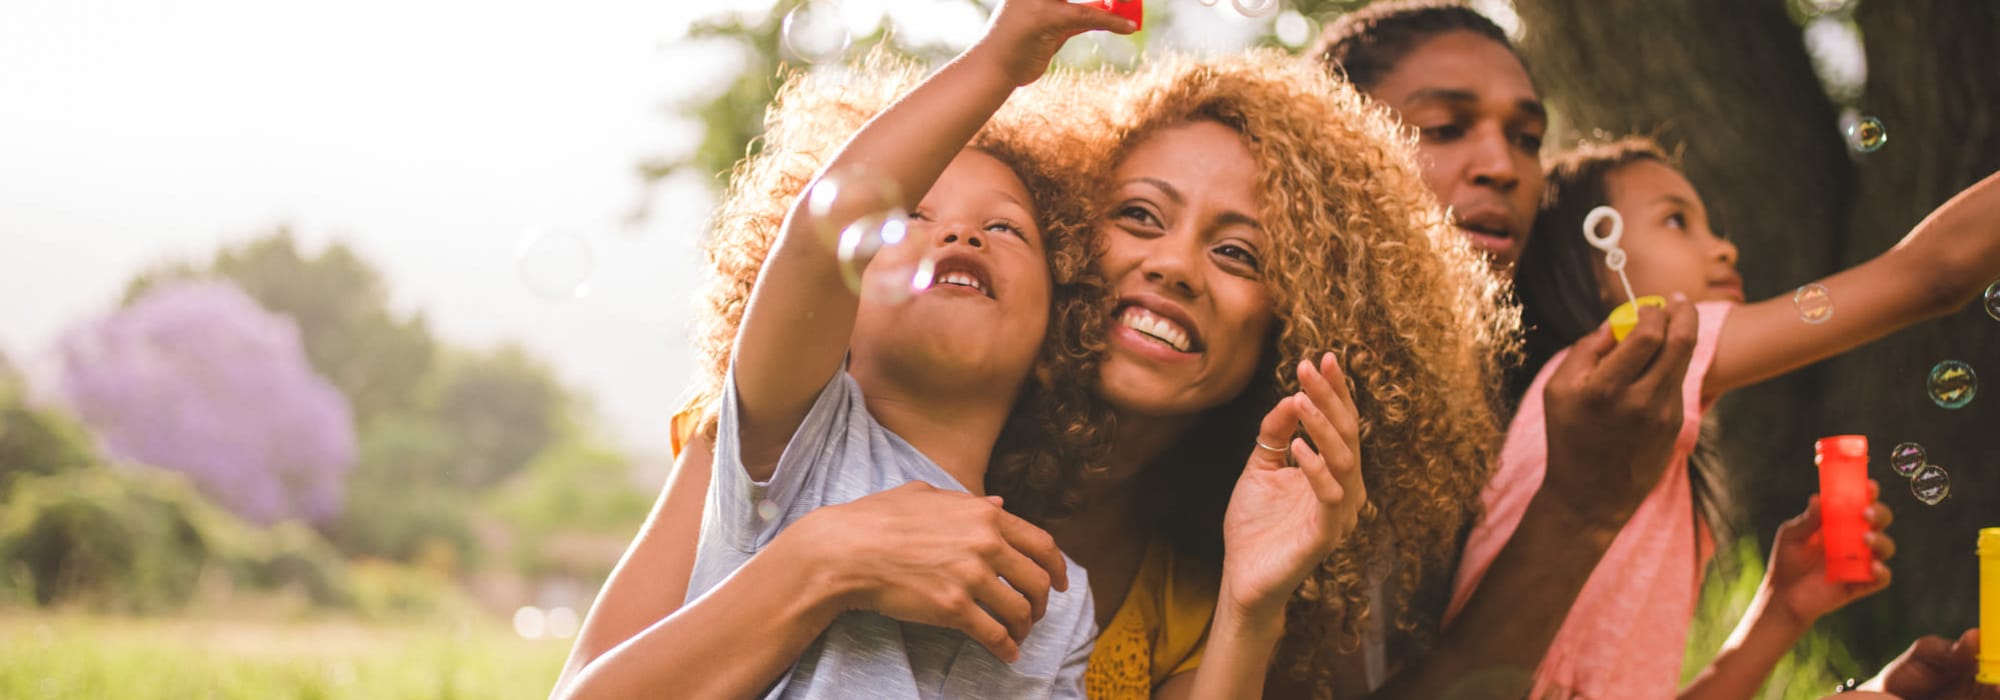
<point>376,358</point>
<point>195,377</point>
<point>500,409</point>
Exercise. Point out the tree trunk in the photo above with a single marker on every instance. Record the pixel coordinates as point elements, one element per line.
<point>1934,80</point>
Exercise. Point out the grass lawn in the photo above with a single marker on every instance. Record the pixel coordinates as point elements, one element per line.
<point>48,655</point>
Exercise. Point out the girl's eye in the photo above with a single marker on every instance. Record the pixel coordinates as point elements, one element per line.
<point>1677,221</point>
<point>1007,228</point>
<point>920,215</point>
<point>1530,142</point>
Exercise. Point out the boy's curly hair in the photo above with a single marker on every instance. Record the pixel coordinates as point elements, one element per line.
<point>1361,262</point>
<point>1055,429</point>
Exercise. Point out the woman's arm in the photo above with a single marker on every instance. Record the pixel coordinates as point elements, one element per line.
<point>1281,524</point>
<point>1944,262</point>
<point>913,553</point>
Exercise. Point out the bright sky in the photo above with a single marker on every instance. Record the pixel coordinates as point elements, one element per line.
<point>428,135</point>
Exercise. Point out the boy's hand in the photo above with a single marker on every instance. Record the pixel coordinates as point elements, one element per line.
<point>1022,36</point>
<point>1797,575</point>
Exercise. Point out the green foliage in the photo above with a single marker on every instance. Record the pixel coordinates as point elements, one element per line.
<point>500,409</point>
<point>574,486</point>
<point>37,442</point>
<point>50,656</point>
<point>401,503</point>
<point>125,541</point>
<point>342,307</point>
<point>137,539</point>
<point>1819,661</point>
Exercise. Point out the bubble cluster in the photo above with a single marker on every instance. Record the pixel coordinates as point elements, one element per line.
<point>556,265</point>
<point>1867,135</point>
<point>1254,8</point>
<point>815,32</point>
<point>1906,458</point>
<point>1992,300</point>
<point>1814,302</point>
<point>1952,384</point>
<point>1931,484</point>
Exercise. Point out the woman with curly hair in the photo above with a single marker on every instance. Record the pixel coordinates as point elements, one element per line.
<point>1255,221</point>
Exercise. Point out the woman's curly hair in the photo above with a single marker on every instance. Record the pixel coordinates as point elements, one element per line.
<point>1360,261</point>
<point>1055,430</point>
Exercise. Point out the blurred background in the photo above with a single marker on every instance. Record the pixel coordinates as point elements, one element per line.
<point>338,342</point>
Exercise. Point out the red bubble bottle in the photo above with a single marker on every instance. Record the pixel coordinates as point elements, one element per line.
<point>1843,496</point>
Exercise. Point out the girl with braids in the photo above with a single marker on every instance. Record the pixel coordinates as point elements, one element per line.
<point>1262,238</point>
<point>1626,634</point>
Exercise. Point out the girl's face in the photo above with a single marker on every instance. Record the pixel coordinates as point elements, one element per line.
<point>986,309</point>
<point>1668,244</point>
<point>1184,253</point>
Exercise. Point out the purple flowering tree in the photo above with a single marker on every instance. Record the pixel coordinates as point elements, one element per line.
<point>197,378</point>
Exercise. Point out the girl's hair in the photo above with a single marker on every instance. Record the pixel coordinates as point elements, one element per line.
<point>1056,428</point>
<point>1365,45</point>
<point>1562,297</point>
<point>1361,262</point>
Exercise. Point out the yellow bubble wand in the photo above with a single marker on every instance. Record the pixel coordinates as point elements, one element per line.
<point>1626,315</point>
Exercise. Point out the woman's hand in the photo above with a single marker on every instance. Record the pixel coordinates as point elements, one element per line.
<point>921,554</point>
<point>1283,521</point>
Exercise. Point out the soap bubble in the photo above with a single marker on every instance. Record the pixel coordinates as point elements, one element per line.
<point>1815,303</point>
<point>1255,8</point>
<point>1952,384</point>
<point>557,265</point>
<point>1867,135</point>
<point>815,32</point>
<point>1931,484</point>
<point>1906,458</point>
<point>1293,29</point>
<point>562,622</point>
<point>530,622</point>
<point>767,510</point>
<point>1993,300</point>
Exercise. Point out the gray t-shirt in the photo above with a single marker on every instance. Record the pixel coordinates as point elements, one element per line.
<point>840,453</point>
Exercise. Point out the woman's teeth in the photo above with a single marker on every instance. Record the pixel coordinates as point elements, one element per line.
<point>1139,319</point>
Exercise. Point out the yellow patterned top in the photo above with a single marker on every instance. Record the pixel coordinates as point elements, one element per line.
<point>1158,632</point>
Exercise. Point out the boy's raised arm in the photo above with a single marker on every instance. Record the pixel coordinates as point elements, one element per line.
<point>795,330</point>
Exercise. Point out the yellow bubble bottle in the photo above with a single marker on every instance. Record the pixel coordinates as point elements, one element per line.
<point>1989,604</point>
<point>1626,316</point>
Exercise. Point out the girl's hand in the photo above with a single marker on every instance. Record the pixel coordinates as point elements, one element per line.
<point>1022,36</point>
<point>1283,521</point>
<point>1797,575</point>
<point>921,554</point>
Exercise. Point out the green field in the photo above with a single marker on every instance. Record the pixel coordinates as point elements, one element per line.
<point>77,656</point>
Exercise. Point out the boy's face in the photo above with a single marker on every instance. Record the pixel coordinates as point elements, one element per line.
<point>985,309</point>
<point>1668,242</point>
